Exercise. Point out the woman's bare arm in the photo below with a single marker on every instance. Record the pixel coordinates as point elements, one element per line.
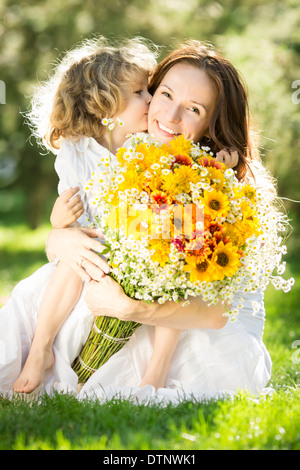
<point>108,298</point>
<point>173,315</point>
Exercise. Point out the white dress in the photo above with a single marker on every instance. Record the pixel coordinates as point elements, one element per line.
<point>206,363</point>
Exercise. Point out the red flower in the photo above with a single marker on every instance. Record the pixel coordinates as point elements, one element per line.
<point>182,160</point>
<point>179,244</point>
<point>160,197</point>
<point>210,161</point>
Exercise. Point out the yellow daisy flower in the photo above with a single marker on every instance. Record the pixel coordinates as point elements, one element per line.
<point>154,183</point>
<point>132,179</point>
<point>246,229</point>
<point>233,233</point>
<point>248,191</point>
<point>180,145</point>
<point>161,253</point>
<point>225,261</point>
<point>179,181</point>
<point>216,177</point>
<point>216,203</point>
<point>151,154</point>
<point>199,269</point>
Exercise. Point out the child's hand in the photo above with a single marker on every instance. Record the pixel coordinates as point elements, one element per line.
<point>230,159</point>
<point>66,209</point>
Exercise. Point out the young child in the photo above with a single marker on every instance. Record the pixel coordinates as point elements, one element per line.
<point>95,86</point>
<point>92,82</point>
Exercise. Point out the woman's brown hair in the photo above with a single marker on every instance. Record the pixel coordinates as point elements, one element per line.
<point>229,126</point>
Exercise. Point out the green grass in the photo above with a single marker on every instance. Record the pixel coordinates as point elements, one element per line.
<point>64,423</point>
<point>61,422</point>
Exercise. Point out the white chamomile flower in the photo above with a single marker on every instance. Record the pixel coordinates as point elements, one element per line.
<point>120,179</point>
<point>180,198</point>
<point>228,173</point>
<point>155,166</point>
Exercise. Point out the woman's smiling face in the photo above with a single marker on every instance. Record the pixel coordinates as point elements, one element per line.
<point>183,103</point>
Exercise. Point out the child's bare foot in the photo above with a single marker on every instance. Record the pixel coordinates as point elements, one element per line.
<point>38,360</point>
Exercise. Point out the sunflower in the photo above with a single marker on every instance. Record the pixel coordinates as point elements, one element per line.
<point>199,268</point>
<point>216,204</point>
<point>225,261</point>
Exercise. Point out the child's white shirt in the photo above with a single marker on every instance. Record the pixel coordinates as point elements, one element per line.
<point>74,164</point>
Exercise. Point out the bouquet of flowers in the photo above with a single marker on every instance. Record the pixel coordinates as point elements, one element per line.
<point>178,224</point>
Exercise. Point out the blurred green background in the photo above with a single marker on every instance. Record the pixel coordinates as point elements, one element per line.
<point>261,37</point>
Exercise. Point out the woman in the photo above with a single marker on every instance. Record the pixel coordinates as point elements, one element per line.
<point>199,94</point>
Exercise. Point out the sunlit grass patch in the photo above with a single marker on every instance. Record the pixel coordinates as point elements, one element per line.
<point>63,423</point>
<point>22,251</point>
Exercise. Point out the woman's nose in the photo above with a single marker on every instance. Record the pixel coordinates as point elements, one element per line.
<point>148,97</point>
<point>173,112</point>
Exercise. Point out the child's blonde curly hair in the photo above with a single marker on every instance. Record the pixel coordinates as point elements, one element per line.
<point>91,82</point>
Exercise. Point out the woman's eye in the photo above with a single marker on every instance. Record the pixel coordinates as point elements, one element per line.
<point>138,92</point>
<point>165,93</point>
